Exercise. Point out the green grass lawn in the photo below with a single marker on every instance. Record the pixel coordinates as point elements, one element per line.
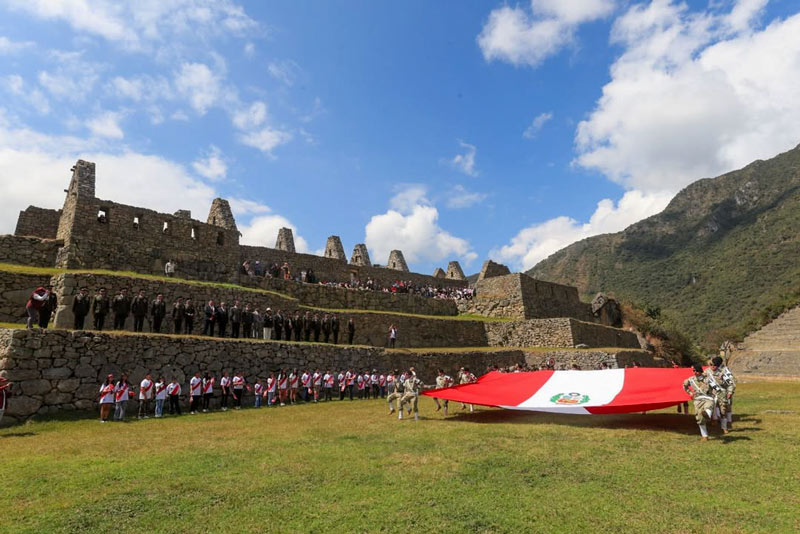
<point>348,467</point>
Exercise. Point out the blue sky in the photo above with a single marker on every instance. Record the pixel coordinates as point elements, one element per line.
<point>450,131</point>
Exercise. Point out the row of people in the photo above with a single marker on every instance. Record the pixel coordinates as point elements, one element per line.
<point>244,322</point>
<point>712,391</point>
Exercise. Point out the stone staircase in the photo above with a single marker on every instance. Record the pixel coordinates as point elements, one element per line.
<point>772,351</point>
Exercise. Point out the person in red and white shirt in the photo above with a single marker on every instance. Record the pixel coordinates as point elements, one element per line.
<point>374,379</point>
<point>225,386</point>
<point>283,386</point>
<point>294,383</point>
<point>360,384</point>
<point>342,381</point>
<point>382,385</point>
<point>316,384</point>
<point>238,390</point>
<point>328,380</point>
<point>272,387</point>
<point>145,395</point>
<point>195,393</point>
<point>258,391</point>
<point>106,397</point>
<point>208,391</point>
<point>350,379</point>
<point>174,394</point>
<point>305,386</point>
<point>160,392</point>
<point>121,395</point>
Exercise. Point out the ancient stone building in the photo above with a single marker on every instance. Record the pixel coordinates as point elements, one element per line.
<point>220,215</point>
<point>397,261</point>
<point>439,273</point>
<point>491,269</point>
<point>454,271</point>
<point>360,256</point>
<point>334,248</point>
<point>285,240</point>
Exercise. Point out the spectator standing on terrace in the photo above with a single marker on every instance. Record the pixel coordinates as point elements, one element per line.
<point>326,328</point>
<point>121,307</point>
<point>49,308</point>
<point>258,324</point>
<point>287,327</point>
<point>287,275</point>
<point>298,326</point>
<point>169,268</point>
<point>139,307</point>
<point>277,324</point>
<point>80,308</point>
<point>335,328</point>
<point>100,307</point>
<point>316,324</point>
<point>35,303</point>
<point>235,316</point>
<point>188,317</point>
<point>267,317</point>
<point>392,336</point>
<point>158,311</point>
<point>208,322</point>
<point>351,330</point>
<point>178,313</point>
<point>222,319</point>
<point>106,397</point>
<point>247,322</point>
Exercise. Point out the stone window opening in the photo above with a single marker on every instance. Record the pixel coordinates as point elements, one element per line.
<point>102,215</point>
<point>213,220</point>
<point>136,222</point>
<point>220,238</point>
<point>165,228</point>
<point>394,266</point>
<point>194,232</point>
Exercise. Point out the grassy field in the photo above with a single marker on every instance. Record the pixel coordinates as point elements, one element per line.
<point>348,467</point>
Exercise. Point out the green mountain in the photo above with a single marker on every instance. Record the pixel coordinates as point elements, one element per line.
<point>721,260</point>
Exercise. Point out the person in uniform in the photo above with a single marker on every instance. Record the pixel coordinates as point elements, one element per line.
<point>298,326</point>
<point>702,392</point>
<point>235,316</point>
<point>316,384</point>
<point>272,386</point>
<point>277,324</point>
<point>328,380</point>
<point>145,396</point>
<point>335,329</point>
<point>720,375</point>
<point>208,321</point>
<point>268,323</point>
<point>466,377</point>
<point>294,384</point>
<point>442,381</point>
<point>222,319</point>
<point>188,317</point>
<point>326,328</point>
<point>258,391</point>
<point>121,307</point>
<point>288,326</point>
<point>247,322</point>
<point>80,308</point>
<point>238,390</point>
<point>316,326</point>
<point>395,389</point>
<point>342,381</point>
<point>178,313</point>
<point>139,307</point>
<point>411,388</point>
<point>158,311</point>
<point>100,307</point>
<point>283,386</point>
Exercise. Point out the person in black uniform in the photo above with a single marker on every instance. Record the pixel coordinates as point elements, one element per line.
<point>222,319</point>
<point>351,330</point>
<point>208,322</point>
<point>308,325</point>
<point>277,324</point>
<point>247,322</point>
<point>121,306</point>
<point>335,329</point>
<point>139,308</point>
<point>48,309</point>
<point>100,308</point>
<point>298,326</point>
<point>235,316</point>
<point>188,317</point>
<point>80,308</point>
<point>326,328</point>
<point>178,313</point>
<point>317,326</point>
<point>158,311</point>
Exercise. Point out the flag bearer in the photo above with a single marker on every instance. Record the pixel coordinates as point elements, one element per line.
<point>702,392</point>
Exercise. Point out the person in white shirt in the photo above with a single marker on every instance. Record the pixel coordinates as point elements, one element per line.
<point>294,383</point>
<point>272,386</point>
<point>145,396</point>
<point>382,385</point>
<point>283,386</point>
<point>360,384</point>
<point>342,381</point>
<point>327,381</point>
<point>208,391</point>
<point>161,395</point>
<point>238,390</point>
<point>174,393</point>
<point>121,391</point>
<point>106,396</point>
<point>225,386</point>
<point>442,381</point>
<point>373,381</point>
<point>316,384</point>
<point>258,391</point>
<point>305,386</point>
<point>195,393</point>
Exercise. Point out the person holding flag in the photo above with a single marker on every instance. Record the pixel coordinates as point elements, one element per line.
<point>106,397</point>
<point>465,377</point>
<point>195,393</point>
<point>411,388</point>
<point>145,396</point>
<point>700,388</point>
<point>442,381</point>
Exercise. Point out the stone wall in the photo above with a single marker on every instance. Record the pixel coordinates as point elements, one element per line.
<point>592,359</point>
<point>518,296</point>
<point>32,251</point>
<point>15,289</point>
<point>371,328</point>
<point>38,222</point>
<point>332,297</point>
<point>557,332</point>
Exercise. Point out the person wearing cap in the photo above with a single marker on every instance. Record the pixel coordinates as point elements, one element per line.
<point>106,397</point>
<point>80,308</point>
<point>721,375</point>
<point>100,308</point>
<point>411,389</point>
<point>702,393</point>
<point>5,393</point>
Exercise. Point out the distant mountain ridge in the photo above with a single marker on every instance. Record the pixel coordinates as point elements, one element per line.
<point>719,261</point>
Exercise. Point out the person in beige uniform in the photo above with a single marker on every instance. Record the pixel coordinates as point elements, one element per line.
<point>397,393</point>
<point>465,377</point>
<point>702,392</point>
<point>411,388</point>
<point>726,386</point>
<point>442,381</point>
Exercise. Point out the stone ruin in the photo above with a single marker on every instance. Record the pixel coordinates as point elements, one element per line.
<point>219,215</point>
<point>397,261</point>
<point>491,269</point>
<point>454,271</point>
<point>334,248</point>
<point>439,273</point>
<point>360,256</point>
<point>285,240</point>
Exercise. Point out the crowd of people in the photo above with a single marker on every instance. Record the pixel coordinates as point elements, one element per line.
<point>205,392</point>
<point>255,269</point>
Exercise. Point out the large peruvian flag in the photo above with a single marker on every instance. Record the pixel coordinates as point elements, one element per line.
<point>582,392</point>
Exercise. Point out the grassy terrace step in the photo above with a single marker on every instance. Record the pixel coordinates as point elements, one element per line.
<point>48,271</point>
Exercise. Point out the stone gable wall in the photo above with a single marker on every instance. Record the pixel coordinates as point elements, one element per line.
<point>32,251</point>
<point>38,222</point>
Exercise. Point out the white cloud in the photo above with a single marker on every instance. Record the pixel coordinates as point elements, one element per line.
<point>249,50</point>
<point>212,166</point>
<point>520,37</point>
<point>411,226</point>
<point>138,25</point>
<point>250,117</point>
<point>143,88</point>
<point>536,126</point>
<point>538,241</point>
<point>693,95</point>
<point>106,124</point>
<point>7,46</point>
<point>33,97</point>
<point>285,71</point>
<point>265,139</point>
<point>73,79</point>
<point>459,197</point>
<point>465,162</point>
<point>198,83</point>
<point>263,231</point>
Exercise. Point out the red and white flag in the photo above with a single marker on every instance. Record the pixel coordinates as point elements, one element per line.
<point>639,389</point>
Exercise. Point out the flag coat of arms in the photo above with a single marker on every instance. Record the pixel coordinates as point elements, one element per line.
<point>578,392</point>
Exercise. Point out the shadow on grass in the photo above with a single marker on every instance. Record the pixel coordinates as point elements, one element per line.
<point>18,435</point>
<point>671,422</point>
